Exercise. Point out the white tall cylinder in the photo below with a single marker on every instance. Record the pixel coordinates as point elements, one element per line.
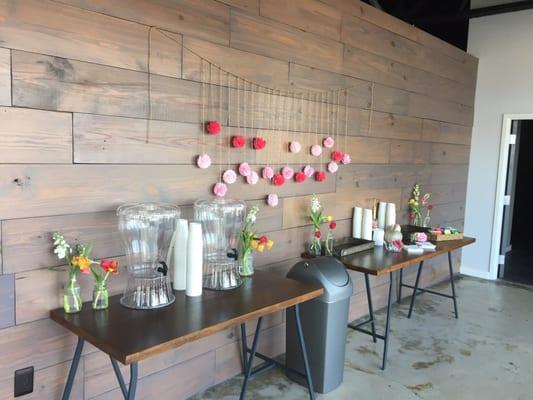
<point>194,260</point>
<point>179,259</point>
<point>390,215</point>
<point>382,210</point>
<point>366,226</point>
<point>356,222</point>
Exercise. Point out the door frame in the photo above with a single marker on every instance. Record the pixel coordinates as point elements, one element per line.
<point>500,190</point>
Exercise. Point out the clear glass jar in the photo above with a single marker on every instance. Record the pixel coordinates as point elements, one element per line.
<point>72,296</point>
<point>246,264</point>
<point>100,296</point>
<point>315,247</point>
<point>222,222</point>
<point>328,244</point>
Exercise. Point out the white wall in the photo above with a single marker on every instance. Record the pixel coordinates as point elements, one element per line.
<point>504,45</point>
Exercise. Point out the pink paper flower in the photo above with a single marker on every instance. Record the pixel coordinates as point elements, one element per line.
<point>203,161</point>
<point>309,171</point>
<point>244,169</point>
<point>316,150</point>
<point>267,172</point>
<point>253,178</point>
<point>220,189</point>
<point>295,147</point>
<point>272,200</point>
<point>328,142</point>
<point>229,176</point>
<point>333,167</point>
<point>346,159</point>
<point>287,172</point>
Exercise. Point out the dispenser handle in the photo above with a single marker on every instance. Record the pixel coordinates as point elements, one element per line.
<point>233,253</point>
<point>163,269</point>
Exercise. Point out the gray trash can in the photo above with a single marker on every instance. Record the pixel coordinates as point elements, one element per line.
<point>324,323</point>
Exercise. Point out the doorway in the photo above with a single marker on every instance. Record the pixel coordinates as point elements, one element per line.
<point>516,252</point>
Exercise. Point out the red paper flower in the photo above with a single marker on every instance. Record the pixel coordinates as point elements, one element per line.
<point>109,266</point>
<point>332,225</point>
<point>258,143</point>
<point>278,180</point>
<point>263,239</point>
<point>318,234</point>
<point>336,155</point>
<point>212,127</point>
<point>320,176</point>
<point>430,207</point>
<point>299,177</point>
<point>238,141</point>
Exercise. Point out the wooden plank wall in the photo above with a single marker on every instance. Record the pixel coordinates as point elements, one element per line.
<point>73,115</point>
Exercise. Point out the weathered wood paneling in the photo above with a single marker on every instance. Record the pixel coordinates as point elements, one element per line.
<point>406,152</point>
<point>165,53</point>
<point>206,19</point>
<point>7,301</point>
<point>449,153</point>
<point>434,131</point>
<point>46,27</point>
<point>35,136</point>
<point>5,77</point>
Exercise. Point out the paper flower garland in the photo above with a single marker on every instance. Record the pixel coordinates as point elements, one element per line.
<point>220,189</point>
<point>272,200</point>
<point>238,141</point>
<point>212,127</point>
<point>346,159</point>
<point>258,143</point>
<point>267,172</point>
<point>336,155</point>
<point>299,177</point>
<point>309,171</point>
<point>253,178</point>
<point>316,150</point>
<point>244,169</point>
<point>203,161</point>
<point>328,142</point>
<point>287,172</point>
<point>229,176</point>
<point>320,176</point>
<point>333,167</point>
<point>278,180</point>
<point>295,147</point>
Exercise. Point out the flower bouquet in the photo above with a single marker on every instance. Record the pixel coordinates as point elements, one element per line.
<point>417,206</point>
<point>100,292</point>
<point>317,217</point>
<point>250,241</point>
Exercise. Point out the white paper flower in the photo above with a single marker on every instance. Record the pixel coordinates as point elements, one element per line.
<point>252,215</point>
<point>61,246</point>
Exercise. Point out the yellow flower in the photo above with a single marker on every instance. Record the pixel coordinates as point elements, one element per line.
<point>254,244</point>
<point>83,263</point>
<point>270,243</point>
<point>329,218</point>
<point>261,248</point>
<point>411,201</point>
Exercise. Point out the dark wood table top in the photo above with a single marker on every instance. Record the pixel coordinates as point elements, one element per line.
<point>379,261</point>
<point>133,335</point>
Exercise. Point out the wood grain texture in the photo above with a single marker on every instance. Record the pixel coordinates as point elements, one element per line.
<point>7,300</point>
<point>406,152</point>
<point>35,136</point>
<point>307,15</point>
<point>35,26</point>
<point>434,131</point>
<point>5,77</point>
<point>206,19</point>
<point>449,153</point>
<point>165,53</point>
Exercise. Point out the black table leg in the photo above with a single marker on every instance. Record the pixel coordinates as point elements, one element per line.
<point>244,347</point>
<point>250,360</point>
<point>415,289</point>
<point>399,299</point>
<point>387,324</point>
<point>453,284</point>
<point>303,350</point>
<point>370,308</point>
<point>120,379</point>
<point>73,369</point>
<point>127,393</point>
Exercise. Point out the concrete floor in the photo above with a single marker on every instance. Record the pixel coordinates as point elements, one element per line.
<point>486,354</point>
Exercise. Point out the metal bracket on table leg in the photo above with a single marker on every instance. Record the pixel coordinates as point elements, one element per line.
<point>129,394</point>
<point>73,369</point>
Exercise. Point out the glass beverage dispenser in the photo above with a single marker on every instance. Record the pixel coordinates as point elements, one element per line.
<point>222,221</point>
<point>146,230</point>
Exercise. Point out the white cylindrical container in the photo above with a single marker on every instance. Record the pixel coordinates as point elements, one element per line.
<point>357,221</point>
<point>390,215</point>
<point>179,259</point>
<point>366,226</point>
<point>194,260</point>
<point>382,211</point>
<point>378,236</point>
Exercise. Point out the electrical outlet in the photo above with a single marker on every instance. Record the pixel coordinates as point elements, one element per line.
<point>23,381</point>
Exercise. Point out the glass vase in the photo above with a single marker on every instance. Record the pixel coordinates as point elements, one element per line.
<point>246,264</point>
<point>328,244</point>
<point>315,247</point>
<point>100,296</point>
<point>72,296</point>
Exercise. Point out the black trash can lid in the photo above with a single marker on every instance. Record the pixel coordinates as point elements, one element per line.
<point>334,274</point>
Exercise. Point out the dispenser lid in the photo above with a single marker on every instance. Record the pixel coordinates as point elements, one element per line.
<point>148,210</point>
<point>220,203</point>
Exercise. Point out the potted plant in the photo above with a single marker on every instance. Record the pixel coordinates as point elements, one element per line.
<point>250,241</point>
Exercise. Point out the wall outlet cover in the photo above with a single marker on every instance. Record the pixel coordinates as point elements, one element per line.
<point>24,381</point>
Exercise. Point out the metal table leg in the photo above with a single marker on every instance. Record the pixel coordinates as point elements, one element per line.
<point>370,308</point>
<point>73,369</point>
<point>244,348</point>
<point>250,359</point>
<point>415,290</point>
<point>127,393</point>
<point>399,299</point>
<point>452,284</point>
<point>387,324</point>
<point>133,381</point>
<point>303,349</point>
